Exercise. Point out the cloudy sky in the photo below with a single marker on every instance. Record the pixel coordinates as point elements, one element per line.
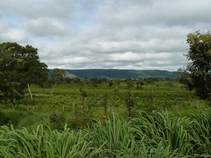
<point>120,34</point>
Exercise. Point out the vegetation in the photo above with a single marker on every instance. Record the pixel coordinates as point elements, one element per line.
<point>77,104</point>
<point>158,134</point>
<point>19,67</point>
<point>57,76</point>
<point>102,117</point>
<point>197,75</point>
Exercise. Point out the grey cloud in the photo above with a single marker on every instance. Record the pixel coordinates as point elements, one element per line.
<point>137,34</point>
<point>178,12</point>
<point>9,33</point>
<point>40,8</point>
<point>46,27</point>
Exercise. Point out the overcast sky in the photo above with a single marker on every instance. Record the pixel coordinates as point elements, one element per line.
<point>120,34</point>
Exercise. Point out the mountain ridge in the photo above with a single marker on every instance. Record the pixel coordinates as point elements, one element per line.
<point>120,73</point>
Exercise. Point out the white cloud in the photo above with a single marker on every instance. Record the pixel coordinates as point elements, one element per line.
<point>128,56</point>
<point>146,34</point>
<point>10,33</point>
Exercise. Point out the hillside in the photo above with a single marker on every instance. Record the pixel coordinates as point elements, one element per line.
<point>117,73</point>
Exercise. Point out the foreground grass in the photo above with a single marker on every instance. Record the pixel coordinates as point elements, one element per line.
<point>156,134</point>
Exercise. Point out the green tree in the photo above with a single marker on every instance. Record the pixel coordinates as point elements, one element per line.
<point>197,75</point>
<point>57,76</point>
<point>67,79</point>
<point>94,82</point>
<point>130,83</point>
<point>85,81</point>
<point>130,101</point>
<point>116,82</point>
<point>83,95</point>
<point>139,83</point>
<point>19,67</point>
<point>103,81</point>
<point>76,80</point>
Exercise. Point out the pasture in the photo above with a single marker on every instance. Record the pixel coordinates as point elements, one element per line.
<point>77,104</point>
<point>86,120</point>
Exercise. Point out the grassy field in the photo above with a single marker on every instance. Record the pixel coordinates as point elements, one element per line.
<point>77,104</point>
<point>77,120</point>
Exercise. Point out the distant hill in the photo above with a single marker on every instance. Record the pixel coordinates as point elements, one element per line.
<point>117,73</point>
<point>66,73</point>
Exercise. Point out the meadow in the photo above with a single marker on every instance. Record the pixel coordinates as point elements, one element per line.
<point>162,119</point>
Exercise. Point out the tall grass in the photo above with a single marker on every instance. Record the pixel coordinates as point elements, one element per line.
<point>200,131</point>
<point>149,135</point>
<point>113,136</point>
<point>44,143</point>
<point>164,128</point>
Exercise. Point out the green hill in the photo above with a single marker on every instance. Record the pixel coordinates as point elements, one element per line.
<point>117,73</point>
<point>68,74</point>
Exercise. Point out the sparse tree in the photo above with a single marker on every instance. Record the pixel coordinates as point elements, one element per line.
<point>85,81</point>
<point>130,83</point>
<point>57,76</point>
<point>130,102</point>
<point>116,82</point>
<point>139,83</point>
<point>76,80</point>
<point>83,95</point>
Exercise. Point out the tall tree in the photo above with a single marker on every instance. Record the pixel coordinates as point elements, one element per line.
<point>19,67</point>
<point>199,68</point>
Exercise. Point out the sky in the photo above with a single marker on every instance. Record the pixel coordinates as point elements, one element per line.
<point>106,34</point>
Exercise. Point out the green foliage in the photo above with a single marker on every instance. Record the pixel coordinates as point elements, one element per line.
<point>157,134</point>
<point>200,131</point>
<point>43,142</point>
<point>19,66</point>
<point>113,136</point>
<point>76,80</point>
<point>164,127</point>
<point>197,74</point>
<point>57,75</point>
<point>57,119</point>
<point>79,110</point>
<point>139,83</point>
<point>116,81</point>
<point>129,82</point>
<point>3,118</point>
<point>130,102</point>
<point>94,82</point>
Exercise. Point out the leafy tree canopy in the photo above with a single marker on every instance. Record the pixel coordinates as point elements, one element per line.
<point>19,66</point>
<point>58,75</point>
<point>197,75</point>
